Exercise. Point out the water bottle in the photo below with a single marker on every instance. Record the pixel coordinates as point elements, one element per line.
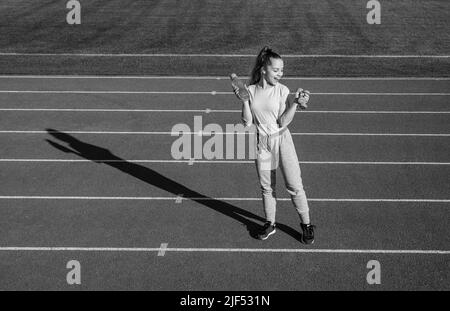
<point>239,87</point>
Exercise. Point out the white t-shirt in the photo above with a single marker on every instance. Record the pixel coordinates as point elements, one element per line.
<point>267,106</point>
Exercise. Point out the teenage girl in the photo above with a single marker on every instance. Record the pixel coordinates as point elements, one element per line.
<point>271,112</point>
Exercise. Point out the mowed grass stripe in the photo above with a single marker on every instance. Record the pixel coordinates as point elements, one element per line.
<point>225,55</point>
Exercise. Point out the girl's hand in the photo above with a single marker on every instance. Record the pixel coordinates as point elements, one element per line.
<point>302,98</point>
<point>243,96</point>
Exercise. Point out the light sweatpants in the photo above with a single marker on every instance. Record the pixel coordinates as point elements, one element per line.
<point>279,150</point>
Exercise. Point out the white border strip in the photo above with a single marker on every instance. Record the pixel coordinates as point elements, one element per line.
<point>227,250</point>
<point>217,77</point>
<point>205,93</point>
<point>210,199</point>
<point>192,161</point>
<point>221,55</point>
<point>223,133</point>
<point>369,134</point>
<point>217,111</point>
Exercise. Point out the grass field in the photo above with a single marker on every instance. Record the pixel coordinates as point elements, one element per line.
<point>228,27</point>
<point>311,27</point>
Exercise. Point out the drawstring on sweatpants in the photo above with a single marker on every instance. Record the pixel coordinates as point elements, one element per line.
<point>264,141</point>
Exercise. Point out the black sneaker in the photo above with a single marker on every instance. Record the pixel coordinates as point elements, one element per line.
<point>308,233</point>
<point>267,230</point>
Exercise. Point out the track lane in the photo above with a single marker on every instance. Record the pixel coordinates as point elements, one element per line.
<point>307,123</point>
<point>214,84</point>
<point>208,101</point>
<point>230,272</point>
<point>309,148</point>
<point>219,180</point>
<point>222,224</point>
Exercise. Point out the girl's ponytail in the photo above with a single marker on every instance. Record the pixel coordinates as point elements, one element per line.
<point>262,60</point>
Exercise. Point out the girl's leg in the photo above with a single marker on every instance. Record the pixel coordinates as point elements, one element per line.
<point>292,176</point>
<point>267,181</point>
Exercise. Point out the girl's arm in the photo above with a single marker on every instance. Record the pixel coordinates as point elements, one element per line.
<point>302,98</point>
<point>246,115</point>
<point>289,113</point>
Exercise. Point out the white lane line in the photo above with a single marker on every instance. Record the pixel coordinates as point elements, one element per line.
<point>381,94</point>
<point>218,77</point>
<point>181,198</point>
<point>118,110</point>
<point>224,55</point>
<point>372,112</point>
<point>229,250</point>
<point>224,133</point>
<point>192,161</point>
<point>218,111</point>
<point>111,92</point>
<point>369,134</point>
<point>162,249</point>
<point>206,93</point>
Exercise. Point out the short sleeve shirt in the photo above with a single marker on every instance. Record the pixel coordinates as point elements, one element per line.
<point>267,106</point>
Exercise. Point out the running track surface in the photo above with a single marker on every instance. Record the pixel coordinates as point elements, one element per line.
<point>374,160</point>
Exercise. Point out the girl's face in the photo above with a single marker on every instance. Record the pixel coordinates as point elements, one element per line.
<point>274,72</point>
